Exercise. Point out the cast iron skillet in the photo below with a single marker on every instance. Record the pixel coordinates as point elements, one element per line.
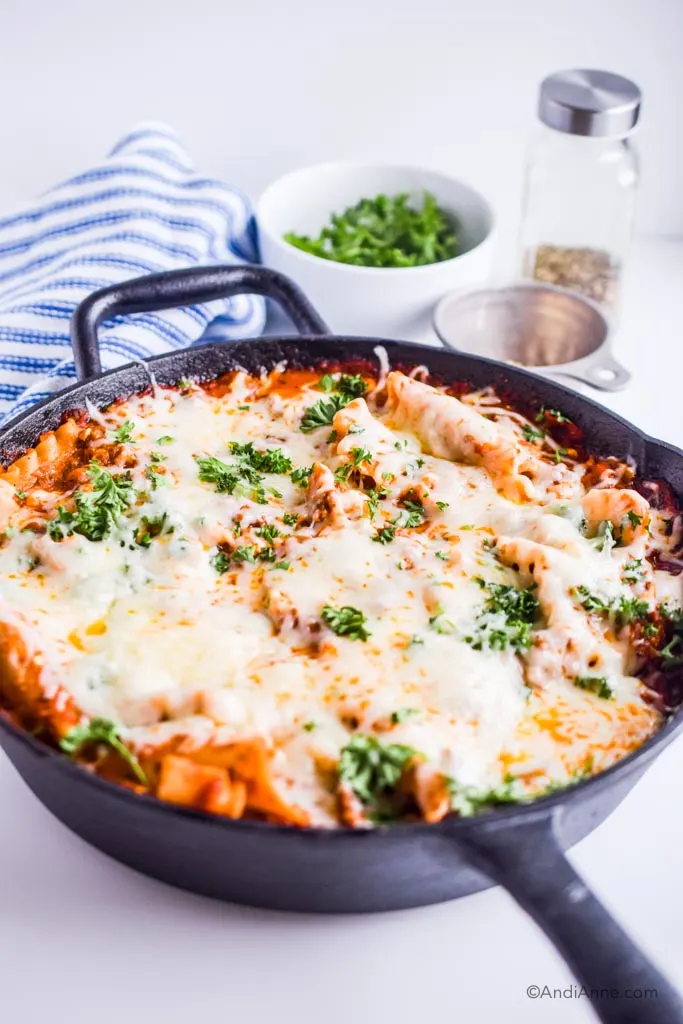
<point>387,868</point>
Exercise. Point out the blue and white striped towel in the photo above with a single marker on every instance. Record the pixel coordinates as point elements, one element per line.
<point>142,210</point>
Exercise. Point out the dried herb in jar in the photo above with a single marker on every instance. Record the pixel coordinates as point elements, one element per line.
<point>592,272</point>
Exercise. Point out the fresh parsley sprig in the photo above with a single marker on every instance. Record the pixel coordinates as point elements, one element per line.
<point>623,610</point>
<point>507,618</point>
<point>123,433</point>
<point>467,801</point>
<point>346,621</point>
<point>322,413</point>
<point>373,771</point>
<point>672,653</point>
<point>268,460</point>
<point>348,384</point>
<point>101,730</point>
<point>98,511</point>
<point>595,684</point>
<point>342,389</point>
<point>359,457</point>
<point>151,527</point>
<point>244,476</point>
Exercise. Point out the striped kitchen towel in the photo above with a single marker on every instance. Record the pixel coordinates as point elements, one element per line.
<point>142,210</point>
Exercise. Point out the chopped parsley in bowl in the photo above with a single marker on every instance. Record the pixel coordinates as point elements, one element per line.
<point>386,231</point>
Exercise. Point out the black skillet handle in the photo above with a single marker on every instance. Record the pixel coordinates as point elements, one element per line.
<point>528,861</point>
<point>183,288</point>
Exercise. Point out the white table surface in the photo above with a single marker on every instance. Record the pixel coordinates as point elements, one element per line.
<point>83,937</point>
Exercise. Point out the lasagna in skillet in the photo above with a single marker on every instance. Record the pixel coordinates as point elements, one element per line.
<point>323,597</point>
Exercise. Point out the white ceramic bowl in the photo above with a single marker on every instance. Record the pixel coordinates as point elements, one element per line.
<point>387,302</point>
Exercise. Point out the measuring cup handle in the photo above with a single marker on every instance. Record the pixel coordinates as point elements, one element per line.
<point>602,372</point>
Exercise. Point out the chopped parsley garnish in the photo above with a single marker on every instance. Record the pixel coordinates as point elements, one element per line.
<point>595,684</point>
<point>151,527</point>
<point>101,730</point>
<point>466,801</point>
<point>385,535</point>
<point>605,539</point>
<point>165,439</point>
<point>221,561</point>
<point>560,454</point>
<point>629,609</point>
<point>290,519</point>
<point>442,505</point>
<point>633,518</point>
<point>98,511</point>
<point>384,231</point>
<point>268,532</point>
<point>351,385</point>
<point>531,434</point>
<point>577,775</point>
<point>403,714</point>
<point>507,618</point>
<point>156,478</point>
<point>309,726</point>
<point>342,390</point>
<point>213,471</point>
<point>373,769</point>
<point>322,413</point>
<point>374,497</point>
<point>268,460</point>
<point>591,602</point>
<point>267,554</point>
<point>410,515</point>
<point>555,413</point>
<point>249,553</point>
<point>331,437</point>
<point>245,553</point>
<point>440,624</point>
<point>284,565</point>
<point>346,621</point>
<point>244,476</point>
<point>300,477</point>
<point>359,456</point>
<point>672,654</point>
<point>633,571</point>
<point>623,610</point>
<point>443,555</point>
<point>124,433</point>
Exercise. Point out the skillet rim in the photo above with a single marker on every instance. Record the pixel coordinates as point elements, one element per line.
<point>539,808</point>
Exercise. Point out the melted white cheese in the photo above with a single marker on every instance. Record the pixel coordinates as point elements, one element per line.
<point>157,640</point>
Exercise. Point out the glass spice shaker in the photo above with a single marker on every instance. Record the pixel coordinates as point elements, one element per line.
<point>581,183</point>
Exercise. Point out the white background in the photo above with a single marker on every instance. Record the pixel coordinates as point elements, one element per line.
<point>258,88</point>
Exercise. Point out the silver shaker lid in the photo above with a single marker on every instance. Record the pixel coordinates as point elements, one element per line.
<point>584,102</point>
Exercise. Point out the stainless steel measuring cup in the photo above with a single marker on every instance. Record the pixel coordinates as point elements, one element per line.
<point>551,330</point>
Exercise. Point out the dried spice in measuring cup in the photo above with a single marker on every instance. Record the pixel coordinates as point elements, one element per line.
<point>592,272</point>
